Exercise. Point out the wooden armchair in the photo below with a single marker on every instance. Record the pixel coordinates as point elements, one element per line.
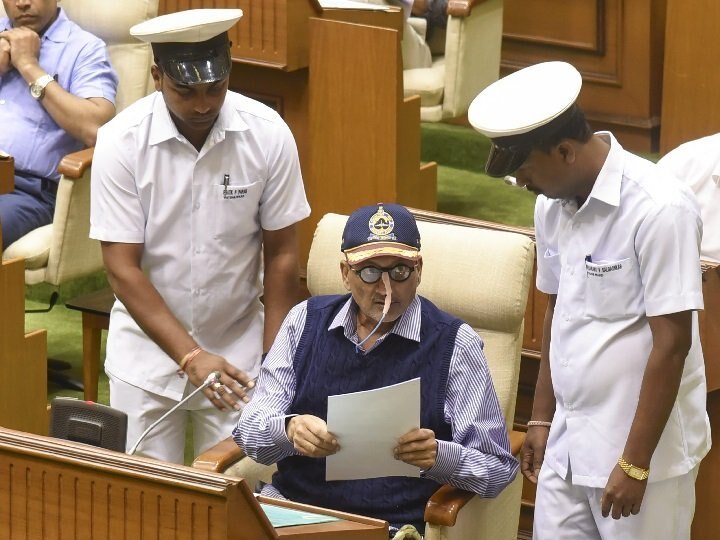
<point>63,251</point>
<point>480,275</point>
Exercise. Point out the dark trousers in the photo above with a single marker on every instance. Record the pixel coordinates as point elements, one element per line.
<point>29,206</point>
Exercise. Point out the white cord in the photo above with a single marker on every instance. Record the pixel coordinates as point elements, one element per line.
<point>212,378</point>
<point>386,307</point>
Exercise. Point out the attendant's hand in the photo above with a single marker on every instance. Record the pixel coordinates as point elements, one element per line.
<point>310,436</point>
<point>417,447</point>
<point>623,495</point>
<point>5,63</point>
<point>533,452</point>
<point>234,382</point>
<point>24,48</point>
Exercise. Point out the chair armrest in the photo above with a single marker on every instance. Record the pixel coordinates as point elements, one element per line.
<point>220,457</point>
<point>74,165</point>
<point>443,507</point>
<point>462,8</point>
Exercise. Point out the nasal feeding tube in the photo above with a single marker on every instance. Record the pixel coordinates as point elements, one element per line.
<point>385,276</point>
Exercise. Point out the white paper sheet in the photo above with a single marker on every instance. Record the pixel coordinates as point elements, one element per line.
<point>367,426</point>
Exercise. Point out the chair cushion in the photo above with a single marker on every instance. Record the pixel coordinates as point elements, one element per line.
<point>34,247</point>
<point>428,83</point>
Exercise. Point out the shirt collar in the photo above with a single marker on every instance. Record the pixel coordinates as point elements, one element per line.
<point>163,128</point>
<point>59,30</point>
<point>609,180</point>
<point>407,326</point>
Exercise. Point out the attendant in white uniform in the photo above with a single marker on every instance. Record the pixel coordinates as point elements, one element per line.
<point>194,188</point>
<point>697,164</point>
<point>618,425</point>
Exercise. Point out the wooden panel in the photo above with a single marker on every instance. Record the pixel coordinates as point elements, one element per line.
<point>23,357</point>
<point>7,175</point>
<point>273,33</point>
<point>616,44</point>
<point>690,107</point>
<point>364,136</point>
<point>54,489</point>
<point>536,22</point>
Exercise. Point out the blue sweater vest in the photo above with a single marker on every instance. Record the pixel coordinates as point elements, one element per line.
<point>326,364</point>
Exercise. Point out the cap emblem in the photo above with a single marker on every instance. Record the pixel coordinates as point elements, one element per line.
<point>381,225</point>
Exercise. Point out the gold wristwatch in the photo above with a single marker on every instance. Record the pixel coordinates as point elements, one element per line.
<point>638,473</point>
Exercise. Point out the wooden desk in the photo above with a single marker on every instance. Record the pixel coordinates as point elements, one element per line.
<point>52,488</point>
<point>95,308</point>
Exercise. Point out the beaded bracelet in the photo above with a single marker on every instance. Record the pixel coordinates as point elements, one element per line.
<point>185,360</point>
<point>539,423</point>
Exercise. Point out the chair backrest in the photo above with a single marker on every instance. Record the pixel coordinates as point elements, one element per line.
<point>481,276</point>
<point>130,57</point>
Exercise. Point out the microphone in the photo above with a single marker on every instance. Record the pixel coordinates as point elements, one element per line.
<point>212,378</point>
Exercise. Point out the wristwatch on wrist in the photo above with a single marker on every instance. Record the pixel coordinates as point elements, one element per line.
<point>638,473</point>
<point>37,87</point>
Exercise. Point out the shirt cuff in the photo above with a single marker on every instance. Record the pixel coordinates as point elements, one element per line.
<point>446,462</point>
<point>279,436</point>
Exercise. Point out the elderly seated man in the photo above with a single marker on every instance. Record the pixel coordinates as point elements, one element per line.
<point>380,334</point>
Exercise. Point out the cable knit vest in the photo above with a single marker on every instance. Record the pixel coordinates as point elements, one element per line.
<point>326,364</point>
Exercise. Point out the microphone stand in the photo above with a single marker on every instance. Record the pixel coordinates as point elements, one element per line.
<point>213,377</point>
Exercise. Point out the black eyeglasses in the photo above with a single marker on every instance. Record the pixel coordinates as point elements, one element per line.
<point>372,274</point>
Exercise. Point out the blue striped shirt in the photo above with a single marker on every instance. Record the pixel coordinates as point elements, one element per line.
<point>478,458</point>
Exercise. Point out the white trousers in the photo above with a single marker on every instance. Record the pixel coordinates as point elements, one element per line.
<point>564,511</point>
<point>166,441</point>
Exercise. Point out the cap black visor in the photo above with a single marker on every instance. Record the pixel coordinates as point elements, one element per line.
<point>195,63</point>
<point>505,160</point>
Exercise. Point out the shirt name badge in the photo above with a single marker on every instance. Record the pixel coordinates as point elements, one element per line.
<point>229,193</point>
<point>599,270</point>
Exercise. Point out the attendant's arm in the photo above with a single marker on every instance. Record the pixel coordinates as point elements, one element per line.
<point>478,458</point>
<point>672,338</point>
<point>147,307</point>
<point>533,450</point>
<point>78,116</point>
<point>281,284</point>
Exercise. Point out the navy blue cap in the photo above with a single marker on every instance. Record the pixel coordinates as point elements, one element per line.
<point>381,230</point>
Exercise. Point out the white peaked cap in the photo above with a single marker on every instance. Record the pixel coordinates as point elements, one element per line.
<point>190,26</point>
<point>525,100</point>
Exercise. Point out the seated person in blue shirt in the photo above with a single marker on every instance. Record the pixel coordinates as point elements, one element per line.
<point>380,334</point>
<point>57,88</point>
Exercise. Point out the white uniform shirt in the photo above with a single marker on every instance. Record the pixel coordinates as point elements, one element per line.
<point>697,164</point>
<point>631,251</point>
<point>202,240</point>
